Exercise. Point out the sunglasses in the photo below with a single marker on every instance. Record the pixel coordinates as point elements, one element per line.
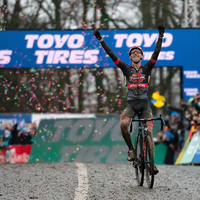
<point>135,51</point>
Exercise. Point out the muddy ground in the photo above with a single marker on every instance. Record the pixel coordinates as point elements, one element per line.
<point>95,182</point>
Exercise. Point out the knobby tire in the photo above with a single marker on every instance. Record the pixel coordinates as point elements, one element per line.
<point>149,162</point>
<point>139,156</point>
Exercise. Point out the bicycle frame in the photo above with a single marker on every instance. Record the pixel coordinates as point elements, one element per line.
<point>143,126</point>
<point>145,131</point>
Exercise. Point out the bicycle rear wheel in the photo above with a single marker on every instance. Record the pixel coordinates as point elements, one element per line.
<point>139,160</point>
<point>149,162</point>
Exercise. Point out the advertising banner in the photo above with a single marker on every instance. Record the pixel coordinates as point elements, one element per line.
<point>160,153</point>
<point>196,159</point>
<point>81,140</point>
<point>191,149</point>
<point>79,48</point>
<point>96,140</point>
<point>178,160</point>
<point>15,154</point>
<point>36,118</point>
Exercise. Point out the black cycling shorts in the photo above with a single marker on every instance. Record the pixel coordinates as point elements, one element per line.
<point>135,106</point>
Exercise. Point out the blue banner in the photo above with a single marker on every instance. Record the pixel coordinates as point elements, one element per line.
<point>12,119</point>
<point>67,49</point>
<point>191,150</point>
<point>196,158</point>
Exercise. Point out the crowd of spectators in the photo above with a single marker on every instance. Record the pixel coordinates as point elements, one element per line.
<point>18,134</point>
<point>178,120</point>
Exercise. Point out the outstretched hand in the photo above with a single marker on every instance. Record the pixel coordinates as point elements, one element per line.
<point>161,29</point>
<point>97,34</point>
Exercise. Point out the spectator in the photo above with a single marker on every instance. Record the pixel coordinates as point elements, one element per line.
<point>27,133</point>
<point>7,133</point>
<point>165,135</point>
<point>170,140</point>
<point>15,135</point>
<point>197,102</point>
<point>193,116</point>
<point>184,106</point>
<point>20,134</point>
<point>178,128</point>
<point>190,116</point>
<point>13,138</point>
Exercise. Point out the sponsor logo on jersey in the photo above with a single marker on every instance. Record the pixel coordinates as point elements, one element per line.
<point>137,78</point>
<point>137,85</point>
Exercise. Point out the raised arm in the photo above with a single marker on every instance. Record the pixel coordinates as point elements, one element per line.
<point>161,29</point>
<point>109,51</point>
<point>151,63</point>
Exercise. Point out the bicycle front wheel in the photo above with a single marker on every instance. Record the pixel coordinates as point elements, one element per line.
<point>149,162</point>
<point>139,159</point>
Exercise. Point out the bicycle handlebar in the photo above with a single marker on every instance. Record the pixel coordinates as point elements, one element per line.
<point>151,119</point>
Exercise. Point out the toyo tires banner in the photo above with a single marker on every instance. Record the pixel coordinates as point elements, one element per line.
<point>68,49</point>
<point>83,140</point>
<point>75,138</point>
<point>37,49</point>
<point>96,140</point>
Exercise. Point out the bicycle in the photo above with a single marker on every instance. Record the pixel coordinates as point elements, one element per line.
<point>144,155</point>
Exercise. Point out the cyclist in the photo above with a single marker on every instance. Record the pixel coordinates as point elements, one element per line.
<point>137,83</point>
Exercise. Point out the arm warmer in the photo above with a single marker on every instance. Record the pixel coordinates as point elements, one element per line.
<point>157,49</point>
<point>109,52</point>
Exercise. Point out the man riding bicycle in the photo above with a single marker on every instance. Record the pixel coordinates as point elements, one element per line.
<point>137,83</point>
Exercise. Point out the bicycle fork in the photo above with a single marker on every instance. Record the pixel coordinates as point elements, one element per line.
<point>144,147</point>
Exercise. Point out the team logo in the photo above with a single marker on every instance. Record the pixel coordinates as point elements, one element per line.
<point>137,78</point>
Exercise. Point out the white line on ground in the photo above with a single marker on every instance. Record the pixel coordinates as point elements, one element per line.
<point>82,189</point>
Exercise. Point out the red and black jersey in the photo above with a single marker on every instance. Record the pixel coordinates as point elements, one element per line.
<point>137,80</point>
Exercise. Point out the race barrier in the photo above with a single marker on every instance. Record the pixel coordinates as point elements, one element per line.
<point>190,154</point>
<point>178,160</point>
<point>15,154</point>
<point>96,139</point>
<point>160,153</point>
<point>196,159</point>
<point>73,138</point>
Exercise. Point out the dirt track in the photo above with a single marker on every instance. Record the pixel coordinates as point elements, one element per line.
<point>95,182</point>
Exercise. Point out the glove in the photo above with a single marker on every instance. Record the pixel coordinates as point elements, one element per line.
<point>97,34</point>
<point>161,29</point>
